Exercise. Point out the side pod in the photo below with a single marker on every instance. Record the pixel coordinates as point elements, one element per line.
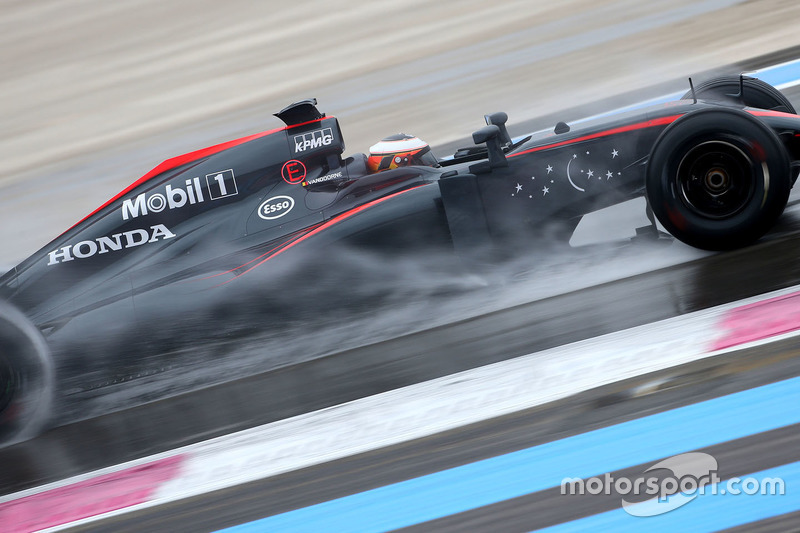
<point>465,216</point>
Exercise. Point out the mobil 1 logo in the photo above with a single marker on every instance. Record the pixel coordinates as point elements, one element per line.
<point>218,185</point>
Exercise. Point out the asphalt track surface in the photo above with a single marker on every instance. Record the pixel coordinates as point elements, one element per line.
<point>584,412</point>
<point>539,325</point>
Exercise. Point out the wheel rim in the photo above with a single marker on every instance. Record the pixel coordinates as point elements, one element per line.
<point>715,179</point>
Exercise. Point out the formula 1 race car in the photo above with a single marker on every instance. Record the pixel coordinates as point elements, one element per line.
<point>716,168</point>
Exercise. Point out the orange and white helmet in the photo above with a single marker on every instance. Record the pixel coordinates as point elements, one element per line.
<point>400,150</point>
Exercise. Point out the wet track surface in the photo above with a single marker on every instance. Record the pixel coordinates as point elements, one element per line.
<point>771,264</point>
<point>587,411</point>
<point>345,376</point>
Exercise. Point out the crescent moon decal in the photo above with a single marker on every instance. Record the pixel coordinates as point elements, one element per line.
<point>568,176</point>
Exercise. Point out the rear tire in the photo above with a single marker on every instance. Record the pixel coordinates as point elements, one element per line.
<point>718,179</point>
<point>26,377</point>
<point>756,93</point>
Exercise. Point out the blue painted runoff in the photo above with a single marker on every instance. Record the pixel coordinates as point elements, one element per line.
<point>779,74</point>
<point>541,467</point>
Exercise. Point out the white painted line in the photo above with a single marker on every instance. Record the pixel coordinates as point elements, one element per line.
<point>787,85</point>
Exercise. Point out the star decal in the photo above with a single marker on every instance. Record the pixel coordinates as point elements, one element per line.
<point>545,190</point>
<point>549,169</point>
<point>609,174</point>
<point>614,153</point>
<point>590,173</point>
<point>519,187</point>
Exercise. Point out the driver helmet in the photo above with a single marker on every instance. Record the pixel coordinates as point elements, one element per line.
<point>400,150</point>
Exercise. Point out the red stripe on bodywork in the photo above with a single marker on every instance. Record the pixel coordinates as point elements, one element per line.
<point>315,230</point>
<point>268,252</point>
<point>614,131</point>
<point>770,113</point>
<point>180,160</point>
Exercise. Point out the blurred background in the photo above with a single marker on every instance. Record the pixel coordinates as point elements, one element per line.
<point>95,94</point>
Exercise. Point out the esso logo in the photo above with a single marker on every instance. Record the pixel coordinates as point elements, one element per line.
<point>275,207</point>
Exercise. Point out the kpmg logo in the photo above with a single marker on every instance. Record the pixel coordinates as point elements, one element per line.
<point>313,139</point>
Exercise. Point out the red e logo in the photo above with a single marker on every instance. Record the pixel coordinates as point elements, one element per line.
<point>293,171</point>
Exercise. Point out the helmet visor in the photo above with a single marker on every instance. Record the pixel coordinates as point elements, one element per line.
<point>425,157</point>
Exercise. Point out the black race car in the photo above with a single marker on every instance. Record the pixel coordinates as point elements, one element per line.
<point>716,168</point>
